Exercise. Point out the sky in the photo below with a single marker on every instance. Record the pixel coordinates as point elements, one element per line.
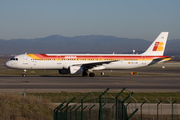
<point>144,19</point>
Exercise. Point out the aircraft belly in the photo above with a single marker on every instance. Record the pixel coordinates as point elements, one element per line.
<point>127,64</point>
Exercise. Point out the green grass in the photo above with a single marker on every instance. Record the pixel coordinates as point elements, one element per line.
<point>7,71</point>
<point>139,96</point>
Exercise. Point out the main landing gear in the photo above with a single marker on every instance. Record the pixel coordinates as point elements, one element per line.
<point>84,74</point>
<point>91,74</point>
<point>24,73</point>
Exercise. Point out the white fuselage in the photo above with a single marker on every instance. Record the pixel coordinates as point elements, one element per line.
<point>120,61</point>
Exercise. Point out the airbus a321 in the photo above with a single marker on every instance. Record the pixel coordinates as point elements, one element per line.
<point>87,63</point>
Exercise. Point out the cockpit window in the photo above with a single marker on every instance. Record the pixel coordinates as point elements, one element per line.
<point>14,59</point>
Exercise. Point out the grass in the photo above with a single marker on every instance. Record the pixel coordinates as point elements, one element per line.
<point>7,71</point>
<point>16,107</point>
<point>39,106</point>
<point>67,96</point>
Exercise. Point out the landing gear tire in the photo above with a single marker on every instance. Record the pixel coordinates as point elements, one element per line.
<point>24,73</point>
<point>102,73</point>
<point>91,74</point>
<point>84,74</point>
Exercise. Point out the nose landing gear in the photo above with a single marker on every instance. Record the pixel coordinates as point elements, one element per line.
<point>24,73</point>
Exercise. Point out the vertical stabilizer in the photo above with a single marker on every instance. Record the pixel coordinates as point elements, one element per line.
<point>158,46</point>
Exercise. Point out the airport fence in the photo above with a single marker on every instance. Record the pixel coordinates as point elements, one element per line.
<point>155,111</point>
<point>116,108</point>
<point>95,109</point>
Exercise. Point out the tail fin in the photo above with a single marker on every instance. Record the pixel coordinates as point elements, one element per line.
<point>158,46</point>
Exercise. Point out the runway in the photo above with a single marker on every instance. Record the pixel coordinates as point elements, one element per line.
<point>134,83</point>
<point>149,79</point>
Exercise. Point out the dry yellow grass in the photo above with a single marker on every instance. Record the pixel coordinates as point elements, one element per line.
<point>16,107</point>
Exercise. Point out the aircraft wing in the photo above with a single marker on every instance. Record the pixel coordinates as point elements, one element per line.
<point>93,64</point>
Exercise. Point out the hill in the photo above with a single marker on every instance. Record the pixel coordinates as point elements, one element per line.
<point>81,44</point>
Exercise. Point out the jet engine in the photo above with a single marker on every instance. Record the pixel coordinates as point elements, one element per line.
<point>72,70</point>
<point>64,71</point>
<point>75,70</point>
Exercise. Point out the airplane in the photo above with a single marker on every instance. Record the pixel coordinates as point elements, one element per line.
<point>87,63</point>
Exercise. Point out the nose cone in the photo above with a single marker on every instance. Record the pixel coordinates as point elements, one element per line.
<point>8,64</point>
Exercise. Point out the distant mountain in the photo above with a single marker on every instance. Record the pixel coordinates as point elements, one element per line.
<point>80,44</point>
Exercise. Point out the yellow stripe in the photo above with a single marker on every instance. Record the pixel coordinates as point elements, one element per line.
<point>33,56</point>
<point>144,59</point>
<point>167,59</point>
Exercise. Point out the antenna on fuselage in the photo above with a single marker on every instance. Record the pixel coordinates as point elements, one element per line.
<point>133,51</point>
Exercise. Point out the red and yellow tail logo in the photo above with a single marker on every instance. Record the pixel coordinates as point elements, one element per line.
<point>158,46</point>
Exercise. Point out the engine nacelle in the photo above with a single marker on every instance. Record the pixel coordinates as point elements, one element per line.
<point>64,71</point>
<point>72,70</point>
<point>75,70</point>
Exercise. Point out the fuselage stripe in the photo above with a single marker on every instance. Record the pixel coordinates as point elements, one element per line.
<point>93,57</point>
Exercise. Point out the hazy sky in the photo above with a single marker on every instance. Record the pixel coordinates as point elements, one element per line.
<point>143,19</point>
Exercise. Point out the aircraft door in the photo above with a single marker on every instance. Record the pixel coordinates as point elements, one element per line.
<point>25,60</point>
<point>100,58</point>
<point>143,60</point>
<point>58,59</point>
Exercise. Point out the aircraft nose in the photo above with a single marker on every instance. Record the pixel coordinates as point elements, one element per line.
<point>8,64</point>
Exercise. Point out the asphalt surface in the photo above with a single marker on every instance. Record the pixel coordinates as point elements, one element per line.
<point>149,79</point>
<point>152,80</point>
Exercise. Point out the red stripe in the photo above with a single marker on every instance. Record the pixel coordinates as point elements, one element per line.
<point>156,46</point>
<point>44,56</point>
